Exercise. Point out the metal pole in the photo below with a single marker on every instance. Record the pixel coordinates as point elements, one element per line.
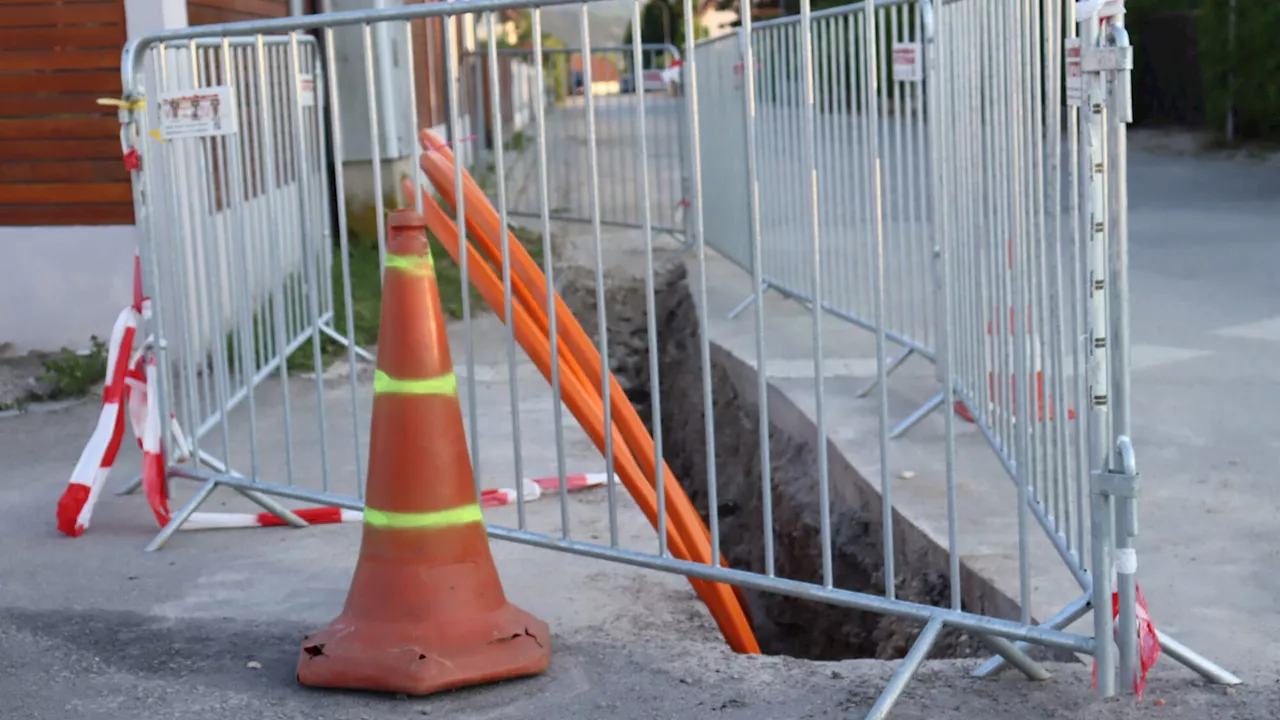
<point>1126,517</point>
<point>1099,380</point>
<point>1231,70</point>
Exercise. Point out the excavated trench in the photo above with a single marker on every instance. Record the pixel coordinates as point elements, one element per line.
<point>783,625</point>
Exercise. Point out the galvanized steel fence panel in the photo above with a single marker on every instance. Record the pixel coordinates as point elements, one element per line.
<point>248,280</point>
<point>925,204</point>
<point>617,87</point>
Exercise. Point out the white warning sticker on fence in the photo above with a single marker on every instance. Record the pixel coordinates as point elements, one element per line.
<point>1074,71</point>
<point>908,65</point>
<point>203,112</point>
<point>307,90</point>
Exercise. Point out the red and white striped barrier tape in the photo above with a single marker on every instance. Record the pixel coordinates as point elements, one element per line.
<point>535,487</point>
<point>130,390</point>
<point>75,507</point>
<point>1148,641</point>
<point>314,516</point>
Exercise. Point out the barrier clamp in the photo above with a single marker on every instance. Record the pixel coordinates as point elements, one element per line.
<point>1116,484</point>
<point>125,111</point>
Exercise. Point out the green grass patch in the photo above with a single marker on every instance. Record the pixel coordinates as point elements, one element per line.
<point>366,296</point>
<point>72,374</point>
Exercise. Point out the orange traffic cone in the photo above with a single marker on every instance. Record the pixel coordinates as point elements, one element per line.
<point>426,611</point>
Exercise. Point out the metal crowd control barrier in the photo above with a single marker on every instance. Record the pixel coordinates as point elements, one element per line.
<point>617,88</point>
<point>973,132</point>
<point>849,122</point>
<point>250,202</point>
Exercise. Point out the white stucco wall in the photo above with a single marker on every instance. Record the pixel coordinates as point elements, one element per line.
<point>59,285</point>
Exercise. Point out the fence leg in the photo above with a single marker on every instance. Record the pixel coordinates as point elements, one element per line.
<point>1195,661</point>
<point>364,354</point>
<point>921,413</point>
<point>746,303</point>
<point>131,486</point>
<point>894,364</point>
<point>910,664</point>
<point>1065,617</point>
<point>1015,656</point>
<point>177,520</point>
<point>182,516</point>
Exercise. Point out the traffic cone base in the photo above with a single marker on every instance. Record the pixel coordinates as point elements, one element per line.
<point>453,650</point>
<point>426,611</point>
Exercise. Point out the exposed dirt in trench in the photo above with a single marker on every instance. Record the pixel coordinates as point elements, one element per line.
<point>784,625</point>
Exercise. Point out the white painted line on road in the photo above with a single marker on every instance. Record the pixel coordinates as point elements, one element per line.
<point>1146,357</point>
<point>1261,330</point>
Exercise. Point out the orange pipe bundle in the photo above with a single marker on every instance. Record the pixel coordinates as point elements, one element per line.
<point>484,224</point>
<point>579,361</point>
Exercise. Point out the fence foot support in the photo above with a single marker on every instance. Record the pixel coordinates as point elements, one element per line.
<point>920,414</point>
<point>275,508</point>
<point>180,518</point>
<point>1015,656</point>
<point>1065,617</point>
<point>1196,662</point>
<point>907,670</point>
<point>686,243</point>
<point>131,486</point>
<point>894,364</point>
<point>359,351</point>
<point>746,303</point>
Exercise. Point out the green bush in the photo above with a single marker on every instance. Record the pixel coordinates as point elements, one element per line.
<point>1253,58</point>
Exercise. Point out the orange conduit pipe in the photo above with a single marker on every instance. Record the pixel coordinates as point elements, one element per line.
<point>484,224</point>
<point>720,599</point>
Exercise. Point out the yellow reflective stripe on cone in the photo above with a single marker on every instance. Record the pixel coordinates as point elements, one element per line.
<point>437,520</point>
<point>412,264</point>
<point>443,385</point>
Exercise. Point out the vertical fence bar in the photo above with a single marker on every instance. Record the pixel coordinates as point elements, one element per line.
<point>898,239</point>
<point>235,200</point>
<point>340,197</point>
<point>750,108</point>
<point>375,144</point>
<point>548,259</point>
<point>1036,276</point>
<point>149,250</point>
<point>918,325</point>
<point>411,74</point>
<point>1126,512</point>
<point>650,292</point>
<point>1021,406</point>
<point>861,140</point>
<point>211,253</point>
<point>1099,380</point>
<point>452,83</point>
<point>815,234</point>
<point>602,329</point>
<point>1078,318</point>
<point>280,292</point>
<point>1053,81</point>
<point>308,239</point>
<point>875,231</point>
<point>499,167</point>
<point>689,85</point>
<point>937,66</point>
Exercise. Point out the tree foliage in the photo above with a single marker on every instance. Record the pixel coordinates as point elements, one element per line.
<point>1241,71</point>
<point>662,21</point>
